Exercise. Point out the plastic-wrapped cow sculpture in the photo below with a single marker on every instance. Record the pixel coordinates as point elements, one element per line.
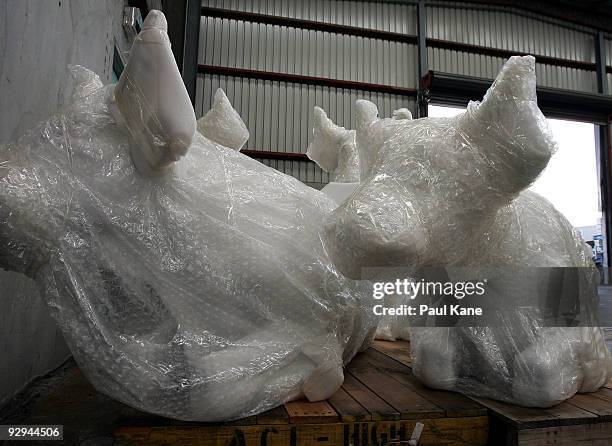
<point>451,192</point>
<point>188,279</point>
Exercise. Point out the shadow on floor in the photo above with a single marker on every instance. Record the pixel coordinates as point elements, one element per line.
<point>64,396</point>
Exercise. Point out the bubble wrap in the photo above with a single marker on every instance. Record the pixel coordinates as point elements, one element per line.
<point>203,294</point>
<point>222,123</point>
<point>450,192</point>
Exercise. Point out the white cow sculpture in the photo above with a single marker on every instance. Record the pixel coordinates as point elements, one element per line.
<point>188,279</point>
<point>450,192</point>
<point>193,282</point>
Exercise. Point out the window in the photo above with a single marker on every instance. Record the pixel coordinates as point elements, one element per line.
<point>118,65</point>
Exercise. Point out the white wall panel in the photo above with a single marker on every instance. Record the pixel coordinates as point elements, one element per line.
<point>39,40</point>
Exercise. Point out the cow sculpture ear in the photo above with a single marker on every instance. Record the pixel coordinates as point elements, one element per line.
<point>223,124</point>
<point>509,128</point>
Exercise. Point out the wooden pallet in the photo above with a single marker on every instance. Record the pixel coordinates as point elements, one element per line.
<point>379,404</point>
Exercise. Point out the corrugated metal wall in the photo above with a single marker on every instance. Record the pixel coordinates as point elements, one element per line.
<point>258,46</point>
<point>502,29</point>
<point>279,114</point>
<point>465,23</point>
<point>394,17</point>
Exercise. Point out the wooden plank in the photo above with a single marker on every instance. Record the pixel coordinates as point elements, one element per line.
<point>599,403</point>
<point>471,431</point>
<point>376,406</point>
<point>278,415</point>
<point>452,431</point>
<point>598,434</point>
<point>302,412</point>
<point>398,350</point>
<point>348,408</point>
<point>454,404</point>
<point>406,401</point>
<point>530,417</point>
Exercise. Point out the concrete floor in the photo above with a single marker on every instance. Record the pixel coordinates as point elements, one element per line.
<point>605,312</point>
<point>605,306</point>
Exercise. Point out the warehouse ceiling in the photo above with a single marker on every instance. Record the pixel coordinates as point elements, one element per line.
<point>593,6</point>
<point>599,11</point>
<point>597,4</point>
<point>590,13</point>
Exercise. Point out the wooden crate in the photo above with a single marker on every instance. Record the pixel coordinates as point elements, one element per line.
<point>585,419</point>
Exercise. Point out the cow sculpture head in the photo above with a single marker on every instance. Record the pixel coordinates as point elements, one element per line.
<point>429,186</point>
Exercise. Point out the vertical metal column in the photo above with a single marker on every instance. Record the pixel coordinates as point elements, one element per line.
<point>184,31</point>
<point>600,63</point>
<point>606,190</point>
<point>190,51</point>
<point>422,94</point>
<point>175,12</point>
<point>603,144</point>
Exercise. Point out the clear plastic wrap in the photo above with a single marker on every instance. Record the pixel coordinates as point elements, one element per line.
<point>222,123</point>
<point>449,192</point>
<point>201,294</point>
